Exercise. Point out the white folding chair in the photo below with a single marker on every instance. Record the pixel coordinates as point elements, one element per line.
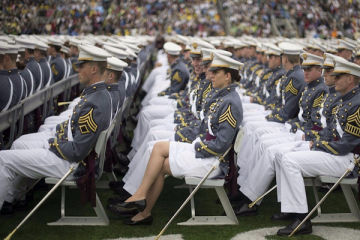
<point>101,217</point>
<point>218,185</point>
<point>353,216</point>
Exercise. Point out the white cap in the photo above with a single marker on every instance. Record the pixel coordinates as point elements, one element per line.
<point>329,60</point>
<point>273,50</point>
<point>343,66</point>
<point>12,49</point>
<point>131,53</point>
<point>41,46</point>
<point>208,54</point>
<point>3,47</point>
<point>221,61</point>
<point>118,45</point>
<point>290,48</point>
<point>65,49</point>
<point>115,64</point>
<point>74,42</point>
<point>54,41</point>
<point>342,44</point>
<point>92,53</point>
<point>181,39</point>
<point>172,48</point>
<point>238,44</point>
<point>133,47</point>
<point>116,52</point>
<point>318,46</point>
<point>310,60</point>
<point>197,45</point>
<point>25,43</point>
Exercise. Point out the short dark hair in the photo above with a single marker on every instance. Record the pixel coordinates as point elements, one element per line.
<point>13,56</point>
<point>101,65</point>
<point>31,51</point>
<point>293,59</point>
<point>116,73</point>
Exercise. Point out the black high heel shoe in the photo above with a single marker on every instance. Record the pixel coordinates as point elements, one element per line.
<point>146,221</point>
<point>140,205</point>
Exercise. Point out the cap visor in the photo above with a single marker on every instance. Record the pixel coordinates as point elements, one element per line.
<point>326,67</point>
<point>336,74</point>
<point>79,62</point>
<point>205,62</point>
<point>214,68</point>
<point>195,55</point>
<point>306,66</point>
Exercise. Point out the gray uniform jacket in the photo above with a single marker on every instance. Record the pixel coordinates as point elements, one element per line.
<point>47,73</point>
<point>310,101</point>
<point>270,87</point>
<point>346,128</point>
<point>37,73</point>
<point>19,86</point>
<point>29,81</point>
<point>179,77</point>
<point>90,117</point>
<point>6,93</point>
<point>324,116</point>
<point>115,98</point>
<point>291,90</point>
<point>73,60</point>
<point>58,67</point>
<point>225,116</point>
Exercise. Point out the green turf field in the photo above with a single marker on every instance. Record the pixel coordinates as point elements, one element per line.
<point>169,201</point>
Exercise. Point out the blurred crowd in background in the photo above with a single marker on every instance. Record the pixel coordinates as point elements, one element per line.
<point>312,18</point>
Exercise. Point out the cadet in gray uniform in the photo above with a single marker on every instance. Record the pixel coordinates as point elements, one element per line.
<point>58,64</point>
<point>112,75</point>
<point>73,143</point>
<point>179,75</point>
<point>19,84</point>
<point>329,158</point>
<point>7,88</point>
<point>40,56</point>
<point>33,66</point>
<point>184,159</point>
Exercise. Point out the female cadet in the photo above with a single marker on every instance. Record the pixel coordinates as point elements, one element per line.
<point>216,134</point>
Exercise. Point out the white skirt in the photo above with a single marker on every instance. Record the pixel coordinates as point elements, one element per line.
<point>183,162</point>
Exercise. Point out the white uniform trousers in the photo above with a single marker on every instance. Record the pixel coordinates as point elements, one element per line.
<point>262,174</point>
<point>32,141</point>
<point>149,82</point>
<point>145,116</point>
<point>265,141</point>
<point>34,163</point>
<point>165,100</point>
<point>297,165</point>
<point>253,131</point>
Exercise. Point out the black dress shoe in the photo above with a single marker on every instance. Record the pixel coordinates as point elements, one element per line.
<point>20,205</point>
<point>113,208</point>
<point>243,209</point>
<point>122,159</point>
<point>326,188</point>
<point>30,195</point>
<point>140,205</point>
<point>120,190</point>
<point>305,228</point>
<point>7,209</point>
<point>116,184</point>
<point>121,171</point>
<point>119,199</point>
<point>146,221</point>
<point>282,216</point>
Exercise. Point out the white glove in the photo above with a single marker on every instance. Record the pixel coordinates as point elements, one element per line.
<point>286,128</point>
<point>46,144</point>
<point>298,135</point>
<point>302,146</point>
<point>266,113</point>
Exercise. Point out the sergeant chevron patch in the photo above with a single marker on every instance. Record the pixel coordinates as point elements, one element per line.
<point>176,77</point>
<point>87,122</point>
<point>227,116</point>
<point>290,87</point>
<point>353,124</point>
<point>318,100</point>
